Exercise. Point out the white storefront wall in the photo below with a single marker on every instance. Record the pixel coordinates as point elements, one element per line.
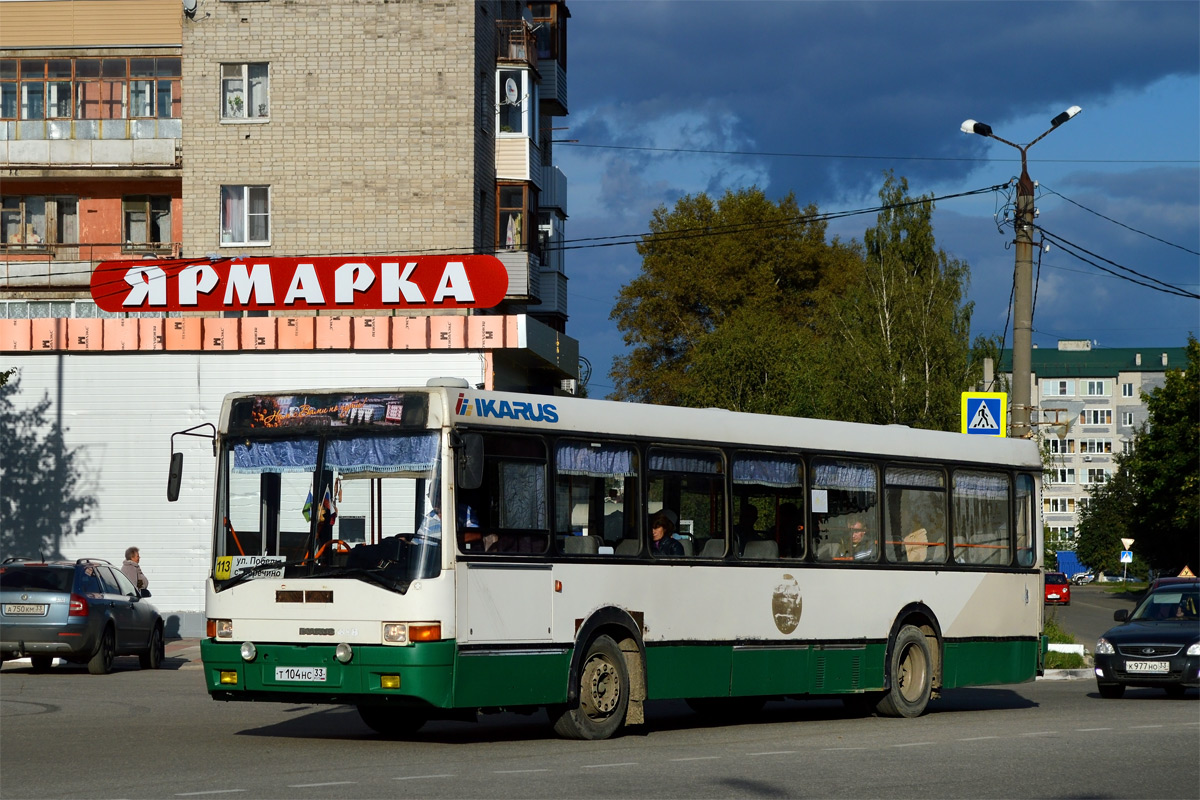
<point>118,413</point>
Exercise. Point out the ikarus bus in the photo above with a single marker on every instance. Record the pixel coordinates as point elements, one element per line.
<point>432,552</point>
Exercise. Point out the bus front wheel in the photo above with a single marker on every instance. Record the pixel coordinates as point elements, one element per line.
<point>603,694</point>
<point>912,675</point>
<point>391,722</point>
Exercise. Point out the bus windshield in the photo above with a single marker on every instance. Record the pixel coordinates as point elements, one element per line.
<point>361,505</point>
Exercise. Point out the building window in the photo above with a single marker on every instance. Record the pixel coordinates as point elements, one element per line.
<point>550,30</point>
<point>1058,505</point>
<point>89,88</point>
<point>1127,446</point>
<point>147,222</point>
<point>1061,446</point>
<point>1126,390</point>
<point>245,91</point>
<point>1095,446</point>
<point>1097,475</point>
<point>35,223</point>
<point>516,206</point>
<point>1127,419</point>
<point>1061,476</point>
<point>1058,388</point>
<point>1097,388</point>
<point>246,215</point>
<point>1096,416</point>
<point>517,106</point>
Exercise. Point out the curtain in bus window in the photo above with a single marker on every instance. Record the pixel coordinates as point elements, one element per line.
<point>980,518</point>
<point>847,477</point>
<point>682,461</point>
<point>282,455</point>
<point>523,496</point>
<point>766,470</point>
<point>605,461</point>
<point>1026,514</point>
<point>383,453</point>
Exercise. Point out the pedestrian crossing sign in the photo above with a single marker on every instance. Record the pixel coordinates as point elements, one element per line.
<point>984,413</point>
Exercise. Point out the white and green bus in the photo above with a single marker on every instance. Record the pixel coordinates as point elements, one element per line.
<point>436,552</point>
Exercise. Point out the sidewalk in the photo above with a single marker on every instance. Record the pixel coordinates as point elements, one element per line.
<point>186,650</point>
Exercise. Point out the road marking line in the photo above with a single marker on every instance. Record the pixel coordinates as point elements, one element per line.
<point>1091,730</point>
<point>979,738</point>
<point>315,785</point>
<point>1139,727</point>
<point>697,758</point>
<point>836,749</point>
<point>516,771</point>
<point>422,777</point>
<point>913,744</point>
<point>210,791</point>
<point>606,766</point>
<point>1040,733</point>
<point>775,753</point>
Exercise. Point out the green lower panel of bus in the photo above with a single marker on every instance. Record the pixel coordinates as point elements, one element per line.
<point>977,663</point>
<point>740,671</point>
<point>423,671</point>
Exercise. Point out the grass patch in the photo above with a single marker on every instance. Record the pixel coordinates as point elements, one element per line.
<point>1057,635</point>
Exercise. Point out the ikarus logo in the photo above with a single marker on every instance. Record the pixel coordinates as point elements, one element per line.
<point>504,409</point>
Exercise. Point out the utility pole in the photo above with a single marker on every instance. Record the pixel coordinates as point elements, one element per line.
<point>1022,403</point>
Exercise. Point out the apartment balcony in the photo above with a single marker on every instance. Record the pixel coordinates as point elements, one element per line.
<point>554,190</point>
<point>554,294</point>
<point>518,158</point>
<point>67,267</point>
<point>515,43</point>
<point>524,274</point>
<point>552,87</point>
<point>69,155</point>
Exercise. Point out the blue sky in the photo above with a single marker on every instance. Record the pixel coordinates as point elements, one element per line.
<point>840,92</point>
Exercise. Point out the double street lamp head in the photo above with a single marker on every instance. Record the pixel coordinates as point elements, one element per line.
<point>983,129</point>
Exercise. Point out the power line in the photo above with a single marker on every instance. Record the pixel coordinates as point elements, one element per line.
<point>1069,247</point>
<point>1115,222</point>
<point>847,156</point>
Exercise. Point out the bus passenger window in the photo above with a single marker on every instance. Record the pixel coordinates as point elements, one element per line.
<point>595,496</point>
<point>688,485</point>
<point>915,515</point>
<point>769,503</point>
<point>848,530</point>
<point>981,530</point>
<point>1026,515</point>
<point>509,509</point>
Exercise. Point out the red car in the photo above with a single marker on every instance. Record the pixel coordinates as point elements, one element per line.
<point>1058,588</point>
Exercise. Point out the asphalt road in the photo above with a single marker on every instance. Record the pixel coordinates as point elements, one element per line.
<point>1091,612</point>
<point>156,734</point>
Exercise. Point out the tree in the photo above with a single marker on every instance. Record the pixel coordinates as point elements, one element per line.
<point>1164,469</point>
<point>727,291</point>
<point>900,337</point>
<point>1104,522</point>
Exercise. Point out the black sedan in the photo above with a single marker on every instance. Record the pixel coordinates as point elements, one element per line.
<point>1157,645</point>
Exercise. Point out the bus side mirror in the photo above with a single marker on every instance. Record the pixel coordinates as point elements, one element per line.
<point>469,461</point>
<point>174,477</point>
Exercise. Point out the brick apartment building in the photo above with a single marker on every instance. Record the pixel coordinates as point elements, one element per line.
<point>258,129</point>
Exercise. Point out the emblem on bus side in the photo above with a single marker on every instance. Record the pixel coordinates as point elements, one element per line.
<point>787,604</point>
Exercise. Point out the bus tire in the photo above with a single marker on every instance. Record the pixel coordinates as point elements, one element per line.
<point>911,669</point>
<point>603,694</point>
<point>394,723</point>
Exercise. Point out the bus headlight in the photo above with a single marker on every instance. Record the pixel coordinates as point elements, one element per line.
<point>219,628</point>
<point>405,633</point>
<point>249,651</point>
<point>343,653</point>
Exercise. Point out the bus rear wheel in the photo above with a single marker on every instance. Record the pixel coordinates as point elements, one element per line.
<point>393,723</point>
<point>911,675</point>
<point>603,694</point>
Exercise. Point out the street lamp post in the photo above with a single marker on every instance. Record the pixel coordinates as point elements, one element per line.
<point>1023,276</point>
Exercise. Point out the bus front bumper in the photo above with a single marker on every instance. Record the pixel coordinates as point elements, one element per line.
<point>419,675</point>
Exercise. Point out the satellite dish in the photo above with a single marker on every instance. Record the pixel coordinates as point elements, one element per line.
<point>510,91</point>
<point>189,7</point>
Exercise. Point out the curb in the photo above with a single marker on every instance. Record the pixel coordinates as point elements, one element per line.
<point>1067,675</point>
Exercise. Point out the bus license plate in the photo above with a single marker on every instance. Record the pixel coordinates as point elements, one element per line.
<point>307,674</point>
<point>1147,666</point>
<point>25,609</point>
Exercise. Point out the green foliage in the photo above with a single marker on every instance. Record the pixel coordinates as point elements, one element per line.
<point>1055,633</point>
<point>706,307</point>
<point>1164,469</point>
<point>903,326</point>
<point>1104,521</point>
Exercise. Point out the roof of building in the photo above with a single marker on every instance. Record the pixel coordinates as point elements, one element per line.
<point>1106,362</point>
